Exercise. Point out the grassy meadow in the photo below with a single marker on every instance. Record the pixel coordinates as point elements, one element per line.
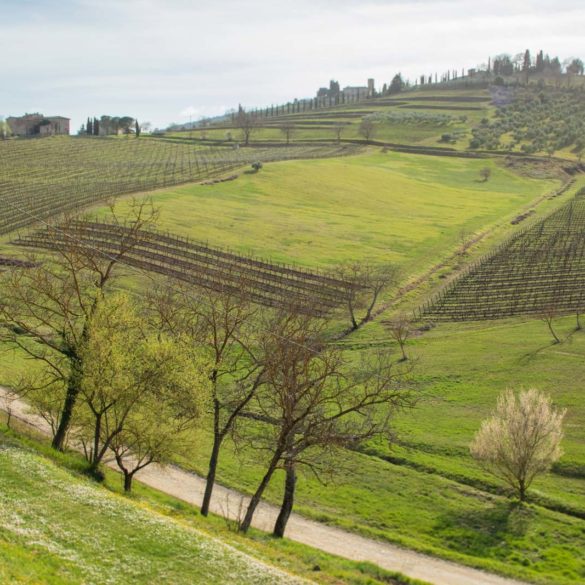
<point>44,539</point>
<point>380,207</point>
<point>56,528</point>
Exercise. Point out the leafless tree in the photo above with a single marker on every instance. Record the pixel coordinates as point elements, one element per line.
<point>338,131</point>
<point>364,283</point>
<point>223,325</point>
<point>247,123</point>
<point>400,330</point>
<point>521,440</point>
<point>464,240</point>
<point>51,304</point>
<point>548,314</point>
<point>367,129</point>
<point>289,130</point>
<point>315,403</point>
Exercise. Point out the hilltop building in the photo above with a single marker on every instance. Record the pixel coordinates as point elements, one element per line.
<point>349,93</point>
<point>38,125</point>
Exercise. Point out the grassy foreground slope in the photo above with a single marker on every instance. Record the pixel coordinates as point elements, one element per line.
<point>381,207</point>
<point>56,528</point>
<point>161,511</point>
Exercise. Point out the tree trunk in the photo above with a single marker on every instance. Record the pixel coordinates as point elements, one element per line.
<point>552,331</point>
<point>578,328</point>
<point>288,499</point>
<point>247,522</point>
<point>368,316</point>
<point>213,460</point>
<point>404,356</point>
<point>128,476</point>
<point>66,416</point>
<point>354,323</point>
<point>522,490</point>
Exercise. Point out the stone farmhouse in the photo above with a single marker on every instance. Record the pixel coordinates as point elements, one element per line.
<point>349,93</point>
<point>38,125</point>
<point>360,92</point>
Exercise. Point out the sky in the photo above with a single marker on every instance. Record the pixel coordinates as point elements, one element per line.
<point>167,61</point>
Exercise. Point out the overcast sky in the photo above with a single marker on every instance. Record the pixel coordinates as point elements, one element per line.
<point>159,59</point>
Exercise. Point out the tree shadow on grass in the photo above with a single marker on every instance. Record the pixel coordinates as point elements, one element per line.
<point>525,359</point>
<point>476,532</point>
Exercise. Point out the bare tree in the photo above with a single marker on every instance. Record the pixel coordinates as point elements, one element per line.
<point>289,130</point>
<point>338,131</point>
<point>363,285</point>
<point>221,324</point>
<point>548,314</point>
<point>314,403</point>
<point>51,303</point>
<point>367,129</point>
<point>400,330</point>
<point>521,440</point>
<point>247,123</point>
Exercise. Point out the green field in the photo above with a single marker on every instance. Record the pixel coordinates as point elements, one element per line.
<point>381,207</point>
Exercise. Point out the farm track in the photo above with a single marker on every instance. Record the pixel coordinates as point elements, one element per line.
<point>189,487</point>
<point>266,283</point>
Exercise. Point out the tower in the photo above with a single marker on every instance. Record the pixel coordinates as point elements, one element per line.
<point>371,88</point>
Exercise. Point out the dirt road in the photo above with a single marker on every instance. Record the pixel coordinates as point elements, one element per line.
<point>189,487</point>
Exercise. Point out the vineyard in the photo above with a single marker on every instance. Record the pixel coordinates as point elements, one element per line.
<point>269,284</point>
<point>42,178</point>
<point>539,270</point>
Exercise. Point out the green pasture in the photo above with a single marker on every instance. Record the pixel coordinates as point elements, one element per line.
<point>378,207</point>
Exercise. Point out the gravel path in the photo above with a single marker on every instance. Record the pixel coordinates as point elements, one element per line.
<point>189,487</point>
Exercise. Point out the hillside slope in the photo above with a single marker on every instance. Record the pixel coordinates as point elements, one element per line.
<point>59,529</point>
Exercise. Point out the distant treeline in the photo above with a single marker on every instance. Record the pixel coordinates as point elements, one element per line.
<point>112,125</point>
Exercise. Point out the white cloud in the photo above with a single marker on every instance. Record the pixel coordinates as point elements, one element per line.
<point>150,58</point>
